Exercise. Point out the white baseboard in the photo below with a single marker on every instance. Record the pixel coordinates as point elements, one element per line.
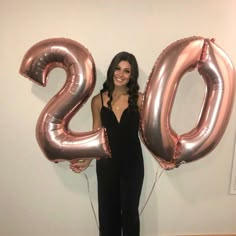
<point>203,235</point>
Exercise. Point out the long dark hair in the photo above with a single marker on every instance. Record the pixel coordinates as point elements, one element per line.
<point>133,86</point>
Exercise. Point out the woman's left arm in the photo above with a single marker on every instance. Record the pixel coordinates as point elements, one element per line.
<point>140,100</point>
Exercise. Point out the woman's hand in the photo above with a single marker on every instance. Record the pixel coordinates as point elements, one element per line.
<point>80,165</point>
<point>166,165</point>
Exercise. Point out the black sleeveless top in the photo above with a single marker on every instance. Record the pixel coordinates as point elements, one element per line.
<point>123,136</point>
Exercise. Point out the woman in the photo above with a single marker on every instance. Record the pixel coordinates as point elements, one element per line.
<point>120,178</point>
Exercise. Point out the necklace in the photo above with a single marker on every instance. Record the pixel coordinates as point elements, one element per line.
<point>116,107</point>
<point>118,102</point>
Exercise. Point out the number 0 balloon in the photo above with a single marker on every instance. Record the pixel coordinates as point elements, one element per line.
<point>54,137</point>
<point>218,73</point>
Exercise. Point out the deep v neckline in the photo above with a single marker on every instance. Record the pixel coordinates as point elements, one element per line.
<point>118,121</point>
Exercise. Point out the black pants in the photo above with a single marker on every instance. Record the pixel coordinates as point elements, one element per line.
<point>119,190</point>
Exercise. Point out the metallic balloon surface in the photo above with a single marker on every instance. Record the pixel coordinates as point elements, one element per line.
<point>218,73</point>
<point>55,139</point>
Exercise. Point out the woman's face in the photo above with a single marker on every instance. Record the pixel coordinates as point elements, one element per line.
<point>122,73</point>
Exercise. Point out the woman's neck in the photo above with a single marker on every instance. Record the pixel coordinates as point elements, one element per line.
<point>120,91</point>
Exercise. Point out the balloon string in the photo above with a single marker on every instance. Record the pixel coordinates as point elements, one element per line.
<point>90,199</point>
<point>157,177</point>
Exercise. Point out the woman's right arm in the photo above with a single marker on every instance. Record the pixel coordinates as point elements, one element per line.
<point>96,108</point>
<point>80,165</point>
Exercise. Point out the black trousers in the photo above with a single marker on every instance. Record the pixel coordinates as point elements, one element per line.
<point>119,190</point>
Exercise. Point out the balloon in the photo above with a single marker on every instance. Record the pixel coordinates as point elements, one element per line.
<point>218,73</point>
<point>55,139</point>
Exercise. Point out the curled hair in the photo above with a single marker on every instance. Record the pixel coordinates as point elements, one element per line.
<point>133,86</point>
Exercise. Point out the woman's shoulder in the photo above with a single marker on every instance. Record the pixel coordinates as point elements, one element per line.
<point>140,95</point>
<point>98,98</point>
<point>96,101</point>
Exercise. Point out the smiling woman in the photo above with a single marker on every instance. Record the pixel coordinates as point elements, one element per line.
<point>116,108</point>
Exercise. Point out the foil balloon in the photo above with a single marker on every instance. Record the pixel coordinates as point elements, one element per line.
<point>55,139</point>
<point>218,73</point>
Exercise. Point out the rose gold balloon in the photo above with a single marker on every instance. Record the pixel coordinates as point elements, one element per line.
<point>219,75</point>
<point>56,140</point>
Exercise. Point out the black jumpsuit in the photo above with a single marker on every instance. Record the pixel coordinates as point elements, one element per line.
<point>120,178</point>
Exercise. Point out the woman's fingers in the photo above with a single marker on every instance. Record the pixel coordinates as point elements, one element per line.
<point>166,165</point>
<point>79,165</point>
<point>77,169</point>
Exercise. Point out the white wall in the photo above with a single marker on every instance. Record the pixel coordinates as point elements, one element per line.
<point>40,198</point>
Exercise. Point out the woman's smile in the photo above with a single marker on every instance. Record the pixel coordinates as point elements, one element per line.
<point>122,73</point>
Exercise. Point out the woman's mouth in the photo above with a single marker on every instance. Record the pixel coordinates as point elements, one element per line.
<point>119,79</point>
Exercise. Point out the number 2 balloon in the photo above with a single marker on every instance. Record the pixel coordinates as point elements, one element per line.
<point>56,140</point>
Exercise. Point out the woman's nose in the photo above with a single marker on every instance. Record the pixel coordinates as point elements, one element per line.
<point>120,73</point>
